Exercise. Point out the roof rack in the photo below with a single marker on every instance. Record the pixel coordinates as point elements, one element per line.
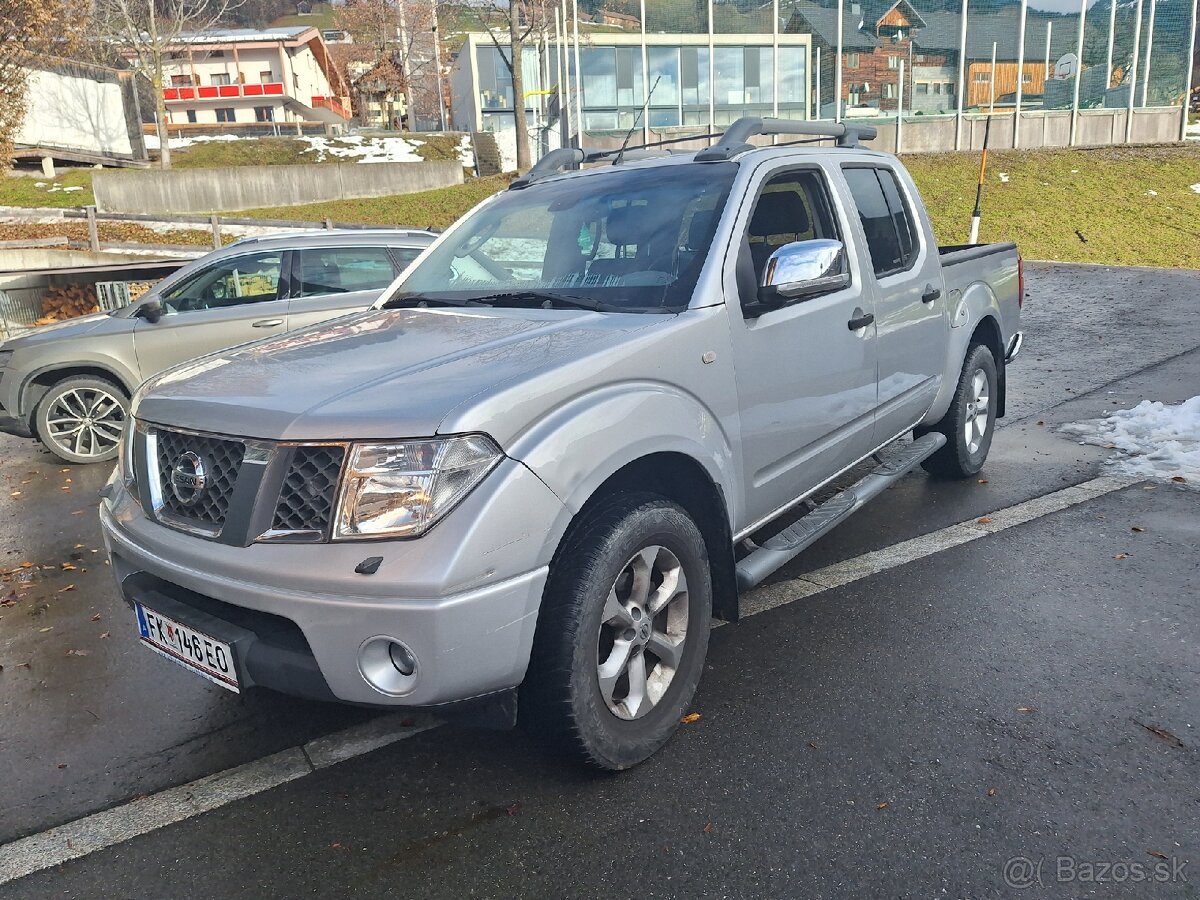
<point>732,142</point>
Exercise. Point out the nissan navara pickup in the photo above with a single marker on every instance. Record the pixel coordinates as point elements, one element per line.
<point>594,412</point>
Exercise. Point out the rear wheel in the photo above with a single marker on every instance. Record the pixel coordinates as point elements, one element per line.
<point>970,421</point>
<point>80,419</point>
<point>623,633</point>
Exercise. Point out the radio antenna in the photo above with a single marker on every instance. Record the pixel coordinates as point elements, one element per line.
<point>637,120</point>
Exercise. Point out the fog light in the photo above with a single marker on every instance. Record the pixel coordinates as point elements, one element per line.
<point>402,658</point>
<point>388,665</point>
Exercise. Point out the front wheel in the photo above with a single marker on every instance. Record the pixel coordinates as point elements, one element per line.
<point>622,634</point>
<point>970,421</point>
<point>80,419</point>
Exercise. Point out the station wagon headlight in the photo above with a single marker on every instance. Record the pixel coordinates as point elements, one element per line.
<point>402,489</point>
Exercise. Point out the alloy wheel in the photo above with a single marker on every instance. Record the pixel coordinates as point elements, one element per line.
<point>85,421</point>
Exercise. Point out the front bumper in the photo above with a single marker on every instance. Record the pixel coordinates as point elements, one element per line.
<point>308,615</point>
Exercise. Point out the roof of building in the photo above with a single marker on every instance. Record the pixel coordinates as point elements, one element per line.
<point>940,30</point>
<point>239,35</point>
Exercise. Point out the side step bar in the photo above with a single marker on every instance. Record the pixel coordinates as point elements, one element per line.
<point>788,544</point>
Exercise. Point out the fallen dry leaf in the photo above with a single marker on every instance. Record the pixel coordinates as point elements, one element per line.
<point>1179,478</point>
<point>708,828</point>
<point>991,792</point>
<point>1138,528</point>
<point>812,745</point>
<point>47,628</point>
<point>1121,556</point>
<point>983,481</point>
<point>15,494</point>
<point>104,634</point>
<point>1026,709</point>
<point>1157,855</point>
<point>690,718</point>
<point>26,565</point>
<point>1162,734</point>
<point>96,617</point>
<point>514,809</point>
<point>883,805</point>
<point>69,587</point>
<point>78,653</point>
<point>68,567</point>
<point>984,520</point>
<point>62,765</point>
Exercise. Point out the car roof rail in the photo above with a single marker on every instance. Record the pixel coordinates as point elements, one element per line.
<point>736,136</point>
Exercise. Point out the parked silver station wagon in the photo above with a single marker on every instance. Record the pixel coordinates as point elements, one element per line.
<point>69,384</point>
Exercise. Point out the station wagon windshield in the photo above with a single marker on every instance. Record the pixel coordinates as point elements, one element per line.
<point>628,240</point>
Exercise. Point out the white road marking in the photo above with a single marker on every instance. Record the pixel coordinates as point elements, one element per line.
<point>137,817</point>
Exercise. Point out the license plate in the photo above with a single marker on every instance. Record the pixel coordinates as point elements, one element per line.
<point>192,649</point>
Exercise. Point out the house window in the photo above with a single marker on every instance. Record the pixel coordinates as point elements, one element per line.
<point>889,90</point>
<point>266,77</point>
<point>219,78</point>
<point>216,54</point>
<point>948,88</point>
<point>982,77</point>
<point>922,87</point>
<point>852,60</point>
<point>893,62</point>
<point>295,81</point>
<point>181,80</point>
<point>264,114</point>
<point>191,116</point>
<point>1027,78</point>
<point>937,87</point>
<point>225,114</point>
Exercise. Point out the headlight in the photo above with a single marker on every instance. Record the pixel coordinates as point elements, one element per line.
<point>402,489</point>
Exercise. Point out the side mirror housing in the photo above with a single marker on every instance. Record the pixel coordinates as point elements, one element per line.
<point>151,311</point>
<point>803,269</point>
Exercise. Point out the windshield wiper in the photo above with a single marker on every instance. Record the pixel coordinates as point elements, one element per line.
<point>547,299</point>
<point>406,301</point>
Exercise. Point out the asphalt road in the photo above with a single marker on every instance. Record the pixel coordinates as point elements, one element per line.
<point>1012,697</point>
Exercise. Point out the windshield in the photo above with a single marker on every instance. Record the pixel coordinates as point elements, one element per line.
<point>628,240</point>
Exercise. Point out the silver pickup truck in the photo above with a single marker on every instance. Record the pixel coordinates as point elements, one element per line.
<point>584,420</point>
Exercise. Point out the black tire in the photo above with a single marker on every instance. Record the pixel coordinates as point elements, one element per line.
<point>100,422</point>
<point>960,458</point>
<point>561,699</point>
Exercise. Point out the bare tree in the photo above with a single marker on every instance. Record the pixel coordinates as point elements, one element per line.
<point>392,28</point>
<point>146,31</point>
<point>519,22</point>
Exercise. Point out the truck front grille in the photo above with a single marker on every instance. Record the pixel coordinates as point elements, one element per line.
<point>196,476</point>
<point>238,490</point>
<point>309,490</point>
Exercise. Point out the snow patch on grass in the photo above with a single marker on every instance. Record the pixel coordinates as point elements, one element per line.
<point>355,148</point>
<point>1154,440</point>
<point>178,143</point>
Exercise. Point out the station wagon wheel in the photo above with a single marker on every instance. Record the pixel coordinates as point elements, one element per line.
<point>80,420</point>
<point>622,633</point>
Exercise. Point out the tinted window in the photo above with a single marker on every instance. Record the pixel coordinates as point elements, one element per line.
<point>405,255</point>
<point>885,219</point>
<point>340,270</point>
<point>793,206</point>
<point>253,278</point>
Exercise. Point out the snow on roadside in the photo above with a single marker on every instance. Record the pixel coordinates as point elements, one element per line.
<point>1153,440</point>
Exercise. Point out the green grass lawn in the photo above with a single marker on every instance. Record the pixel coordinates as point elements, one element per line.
<point>427,209</point>
<point>1105,194</point>
<point>20,190</point>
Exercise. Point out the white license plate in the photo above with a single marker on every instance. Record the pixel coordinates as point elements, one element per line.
<point>195,650</point>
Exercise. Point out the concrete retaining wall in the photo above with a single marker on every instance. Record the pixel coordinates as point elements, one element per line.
<point>253,187</point>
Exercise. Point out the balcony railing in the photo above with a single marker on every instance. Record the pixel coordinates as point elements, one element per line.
<point>222,91</point>
<point>333,104</point>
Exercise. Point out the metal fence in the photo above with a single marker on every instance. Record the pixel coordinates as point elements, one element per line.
<point>19,309</point>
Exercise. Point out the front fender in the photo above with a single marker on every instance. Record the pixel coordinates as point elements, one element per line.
<point>581,444</point>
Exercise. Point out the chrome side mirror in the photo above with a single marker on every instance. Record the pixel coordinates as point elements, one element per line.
<point>803,269</point>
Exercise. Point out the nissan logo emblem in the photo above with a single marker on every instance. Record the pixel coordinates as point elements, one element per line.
<point>189,477</point>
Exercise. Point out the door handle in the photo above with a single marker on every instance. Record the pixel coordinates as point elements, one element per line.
<point>931,294</point>
<point>861,322</point>
<point>267,323</point>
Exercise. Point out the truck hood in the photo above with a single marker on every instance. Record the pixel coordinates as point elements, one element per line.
<point>379,374</point>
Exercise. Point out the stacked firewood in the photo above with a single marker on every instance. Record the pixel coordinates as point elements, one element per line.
<point>66,301</point>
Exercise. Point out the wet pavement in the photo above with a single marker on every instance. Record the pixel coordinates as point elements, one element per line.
<point>908,685</point>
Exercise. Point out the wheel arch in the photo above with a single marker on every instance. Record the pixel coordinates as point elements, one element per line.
<point>683,480</point>
<point>987,332</point>
<point>39,383</point>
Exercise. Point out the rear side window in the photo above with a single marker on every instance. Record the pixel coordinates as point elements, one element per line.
<point>405,255</point>
<point>341,270</point>
<point>886,220</point>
